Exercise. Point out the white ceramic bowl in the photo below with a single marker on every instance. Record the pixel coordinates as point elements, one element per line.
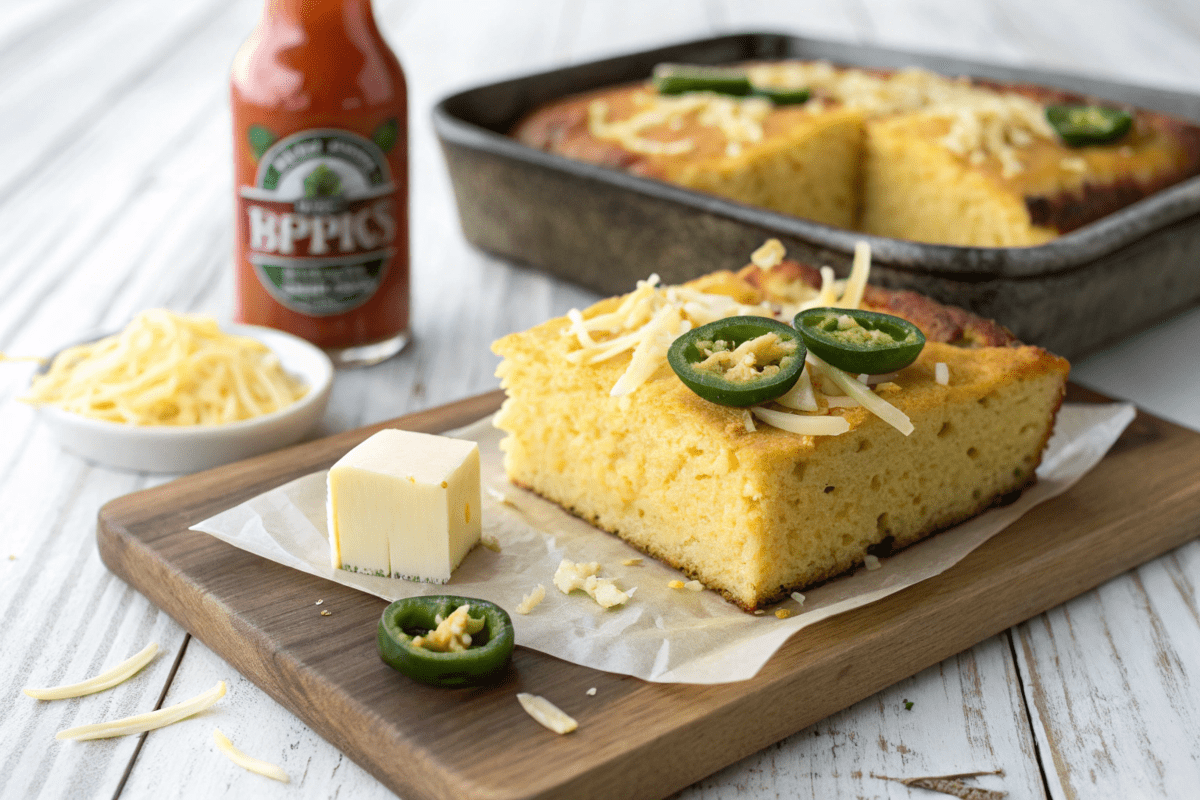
<point>166,448</point>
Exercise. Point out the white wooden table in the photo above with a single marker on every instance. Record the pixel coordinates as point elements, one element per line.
<point>115,195</point>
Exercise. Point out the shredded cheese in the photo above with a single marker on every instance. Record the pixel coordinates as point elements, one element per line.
<point>651,317</point>
<point>257,766</point>
<point>984,124</point>
<point>105,680</point>
<point>871,401</point>
<point>149,721</point>
<point>804,425</point>
<point>168,369</point>
<point>546,713</point>
<point>941,373</point>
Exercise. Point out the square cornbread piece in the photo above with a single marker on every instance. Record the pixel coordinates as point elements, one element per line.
<point>756,514</point>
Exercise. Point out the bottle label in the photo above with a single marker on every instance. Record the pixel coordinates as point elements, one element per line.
<point>320,220</point>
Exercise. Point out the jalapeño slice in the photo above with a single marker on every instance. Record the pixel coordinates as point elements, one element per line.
<point>860,341</point>
<point>1080,125</point>
<point>681,78</point>
<point>714,360</point>
<point>404,620</point>
<point>784,97</point>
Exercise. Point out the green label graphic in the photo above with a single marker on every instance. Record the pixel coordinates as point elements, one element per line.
<point>320,220</point>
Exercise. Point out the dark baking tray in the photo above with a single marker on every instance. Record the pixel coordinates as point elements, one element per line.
<point>605,229</point>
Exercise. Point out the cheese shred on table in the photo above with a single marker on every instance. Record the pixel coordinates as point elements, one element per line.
<point>249,763</point>
<point>168,369</point>
<point>149,721</point>
<point>105,680</point>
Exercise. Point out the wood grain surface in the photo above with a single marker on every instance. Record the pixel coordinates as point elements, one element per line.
<point>636,739</point>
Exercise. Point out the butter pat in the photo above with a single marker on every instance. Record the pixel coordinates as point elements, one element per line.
<point>404,505</point>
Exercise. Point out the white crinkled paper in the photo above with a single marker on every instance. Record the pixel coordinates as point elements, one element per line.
<point>661,634</point>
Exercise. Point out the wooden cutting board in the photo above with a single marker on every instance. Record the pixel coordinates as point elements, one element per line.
<point>635,739</point>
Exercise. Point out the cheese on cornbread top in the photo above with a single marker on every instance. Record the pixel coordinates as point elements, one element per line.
<point>626,340</point>
<point>979,357</point>
<point>998,129</point>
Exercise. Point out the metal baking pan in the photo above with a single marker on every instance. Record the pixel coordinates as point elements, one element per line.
<point>605,229</point>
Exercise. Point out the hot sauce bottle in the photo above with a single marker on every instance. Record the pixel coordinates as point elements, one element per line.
<point>320,152</point>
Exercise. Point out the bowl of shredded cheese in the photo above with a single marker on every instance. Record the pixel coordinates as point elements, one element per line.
<point>179,393</point>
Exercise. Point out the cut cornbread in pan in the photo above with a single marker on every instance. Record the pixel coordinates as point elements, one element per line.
<point>799,160</point>
<point>751,510</point>
<point>908,154</point>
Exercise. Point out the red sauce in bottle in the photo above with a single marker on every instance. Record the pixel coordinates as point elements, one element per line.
<point>320,153</point>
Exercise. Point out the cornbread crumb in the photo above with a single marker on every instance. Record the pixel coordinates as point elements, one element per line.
<point>319,602</point>
<point>529,601</point>
<point>759,612</point>
<point>675,584</point>
<point>695,586</point>
<point>782,613</point>
<point>327,613</point>
<point>632,562</point>
<point>571,576</point>
<point>871,562</point>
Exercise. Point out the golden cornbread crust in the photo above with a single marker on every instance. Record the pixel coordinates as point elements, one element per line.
<point>756,515</point>
<point>884,171</point>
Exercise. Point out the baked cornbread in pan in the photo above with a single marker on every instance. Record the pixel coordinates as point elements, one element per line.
<point>908,154</point>
<point>751,510</point>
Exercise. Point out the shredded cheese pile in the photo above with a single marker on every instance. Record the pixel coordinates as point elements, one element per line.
<point>984,122</point>
<point>651,317</point>
<point>740,120</point>
<point>168,369</point>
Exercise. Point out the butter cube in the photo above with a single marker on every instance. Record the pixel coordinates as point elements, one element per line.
<point>405,505</point>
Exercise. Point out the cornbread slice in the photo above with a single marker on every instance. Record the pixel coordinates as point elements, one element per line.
<point>757,514</point>
<point>802,160</point>
<point>908,154</point>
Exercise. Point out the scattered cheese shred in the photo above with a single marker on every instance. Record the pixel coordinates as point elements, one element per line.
<point>545,712</point>
<point>168,369</point>
<point>632,562</point>
<point>941,373</point>
<point>105,680</point>
<point>871,562</point>
<point>694,586</point>
<point>149,721</point>
<point>871,401</point>
<point>801,424</point>
<point>530,601</point>
<point>591,692</point>
<point>255,765</point>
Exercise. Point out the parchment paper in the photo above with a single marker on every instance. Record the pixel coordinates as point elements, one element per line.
<point>661,634</point>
